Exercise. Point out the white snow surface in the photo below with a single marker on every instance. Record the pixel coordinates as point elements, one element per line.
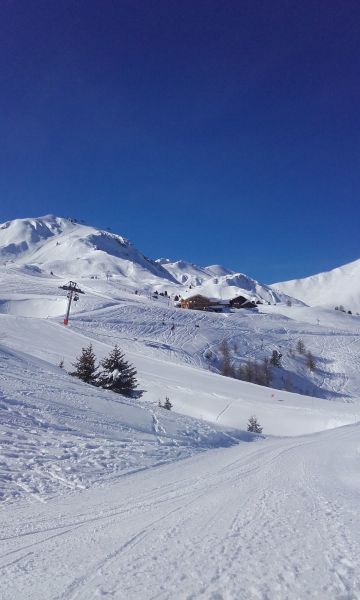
<point>108,497</point>
<point>71,249</point>
<point>331,288</point>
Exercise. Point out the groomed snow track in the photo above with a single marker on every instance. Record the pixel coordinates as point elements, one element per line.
<point>278,519</point>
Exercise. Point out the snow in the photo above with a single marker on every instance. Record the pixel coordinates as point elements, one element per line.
<point>331,288</point>
<point>108,497</point>
<point>273,519</point>
<point>69,249</point>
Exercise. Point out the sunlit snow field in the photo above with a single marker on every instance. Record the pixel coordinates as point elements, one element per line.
<point>104,496</point>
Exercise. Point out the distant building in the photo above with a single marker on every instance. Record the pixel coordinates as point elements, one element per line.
<point>197,302</point>
<point>200,302</point>
<point>238,302</point>
<point>242,302</point>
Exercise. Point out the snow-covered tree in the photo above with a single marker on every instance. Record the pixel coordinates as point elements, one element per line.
<point>117,374</point>
<point>85,367</point>
<point>254,425</point>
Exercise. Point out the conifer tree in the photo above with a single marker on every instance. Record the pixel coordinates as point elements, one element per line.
<point>85,367</point>
<point>310,361</point>
<point>118,375</point>
<point>275,359</point>
<point>254,425</point>
<point>300,347</point>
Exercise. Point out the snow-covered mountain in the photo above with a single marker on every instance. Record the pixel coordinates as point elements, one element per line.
<point>187,273</point>
<point>340,286</point>
<point>216,281</point>
<point>67,248</point>
<point>229,286</point>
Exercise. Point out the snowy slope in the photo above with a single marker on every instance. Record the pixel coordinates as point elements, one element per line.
<point>187,273</point>
<point>72,249</point>
<point>109,497</point>
<point>68,249</point>
<point>216,281</point>
<point>276,519</point>
<point>331,288</point>
<point>226,287</point>
<point>59,434</point>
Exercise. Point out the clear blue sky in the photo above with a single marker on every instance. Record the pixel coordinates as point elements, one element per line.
<point>215,131</point>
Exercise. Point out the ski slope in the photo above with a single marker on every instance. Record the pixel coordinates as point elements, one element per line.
<point>272,519</point>
<point>108,497</point>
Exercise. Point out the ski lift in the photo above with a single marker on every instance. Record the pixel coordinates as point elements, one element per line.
<point>76,298</point>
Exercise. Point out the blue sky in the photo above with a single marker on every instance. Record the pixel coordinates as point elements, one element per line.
<point>218,132</point>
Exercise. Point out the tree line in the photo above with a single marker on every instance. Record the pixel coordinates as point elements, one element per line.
<point>259,372</point>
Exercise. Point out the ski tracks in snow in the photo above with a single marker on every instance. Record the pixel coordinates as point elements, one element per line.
<point>253,522</point>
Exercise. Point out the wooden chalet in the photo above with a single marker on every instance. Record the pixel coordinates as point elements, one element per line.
<point>241,302</point>
<point>237,302</point>
<point>197,302</point>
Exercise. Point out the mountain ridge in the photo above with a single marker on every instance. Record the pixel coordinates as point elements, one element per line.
<point>66,248</point>
<point>338,286</point>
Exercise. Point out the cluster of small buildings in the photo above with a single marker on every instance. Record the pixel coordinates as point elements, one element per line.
<point>200,302</point>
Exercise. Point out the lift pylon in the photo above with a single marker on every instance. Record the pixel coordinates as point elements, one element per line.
<point>73,292</point>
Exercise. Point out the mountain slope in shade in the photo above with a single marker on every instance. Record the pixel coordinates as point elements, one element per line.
<point>340,286</point>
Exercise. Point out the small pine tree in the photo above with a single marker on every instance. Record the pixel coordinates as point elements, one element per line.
<point>61,364</point>
<point>167,404</point>
<point>254,425</point>
<point>85,367</point>
<point>118,375</point>
<point>310,361</point>
<point>300,347</point>
<point>275,359</point>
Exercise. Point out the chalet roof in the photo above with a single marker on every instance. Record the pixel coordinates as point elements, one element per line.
<point>200,297</point>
